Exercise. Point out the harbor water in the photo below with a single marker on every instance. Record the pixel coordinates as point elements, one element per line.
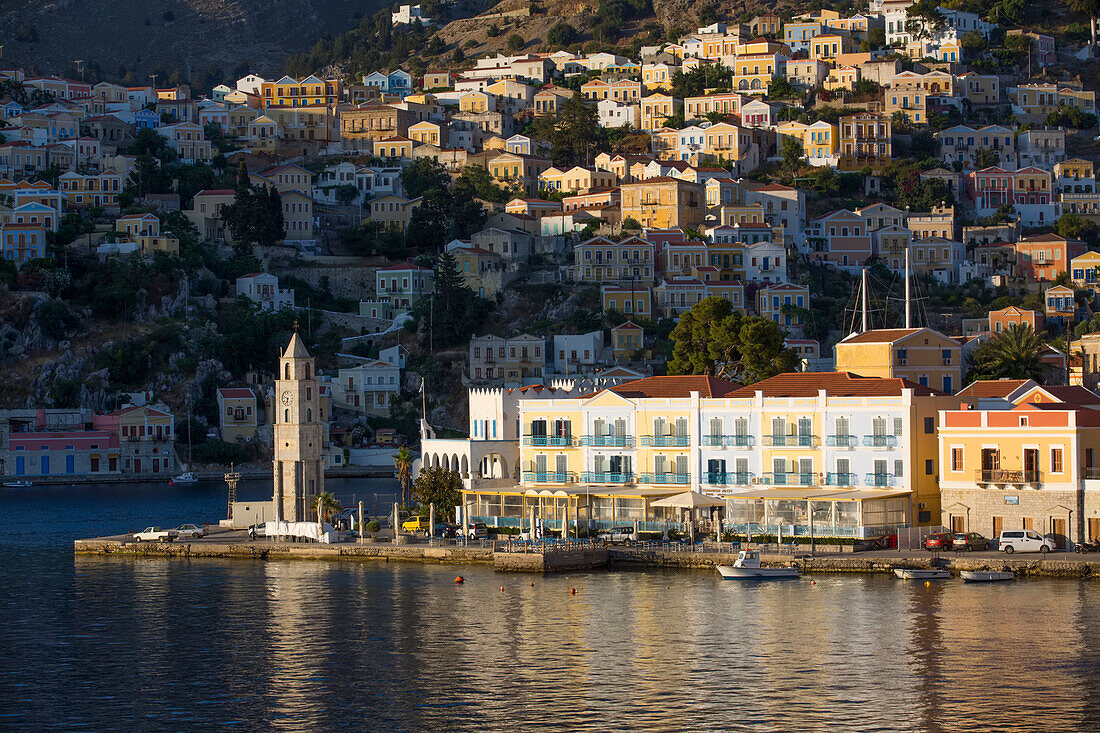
<point>102,643</point>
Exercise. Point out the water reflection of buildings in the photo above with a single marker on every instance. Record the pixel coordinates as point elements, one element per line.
<point>975,651</point>
<point>300,615</point>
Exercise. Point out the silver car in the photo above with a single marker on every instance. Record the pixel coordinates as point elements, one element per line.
<point>188,531</point>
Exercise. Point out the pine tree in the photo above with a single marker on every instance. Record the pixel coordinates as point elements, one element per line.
<point>242,178</point>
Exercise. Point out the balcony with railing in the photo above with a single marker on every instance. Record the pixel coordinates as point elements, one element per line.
<point>791,441</point>
<point>548,441</point>
<point>842,441</point>
<point>664,478</point>
<point>549,477</point>
<point>1006,476</point>
<point>727,441</point>
<point>600,477</point>
<point>606,441</point>
<point>790,478</point>
<point>666,441</point>
<point>736,478</point>
<point>879,479</point>
<point>840,479</point>
<point>880,441</point>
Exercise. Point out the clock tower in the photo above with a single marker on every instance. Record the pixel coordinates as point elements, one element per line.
<point>299,469</point>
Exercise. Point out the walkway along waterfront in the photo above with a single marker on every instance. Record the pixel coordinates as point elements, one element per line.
<point>520,557</point>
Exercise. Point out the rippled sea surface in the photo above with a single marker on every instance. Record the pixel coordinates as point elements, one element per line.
<point>121,644</point>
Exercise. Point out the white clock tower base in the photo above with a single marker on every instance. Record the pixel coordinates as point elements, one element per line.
<point>299,467</point>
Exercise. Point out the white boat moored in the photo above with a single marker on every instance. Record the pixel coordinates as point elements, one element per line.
<point>747,567</point>
<point>986,576</point>
<point>185,478</point>
<point>922,573</point>
<point>18,484</point>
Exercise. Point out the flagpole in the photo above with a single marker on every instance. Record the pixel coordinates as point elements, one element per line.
<point>423,410</point>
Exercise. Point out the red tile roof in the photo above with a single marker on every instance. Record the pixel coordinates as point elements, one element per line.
<point>992,388</point>
<point>234,393</point>
<point>675,386</point>
<point>1074,395</point>
<point>881,336</point>
<point>838,384</point>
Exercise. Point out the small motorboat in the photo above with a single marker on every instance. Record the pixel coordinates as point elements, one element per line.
<point>18,484</point>
<point>184,478</point>
<point>986,576</point>
<point>922,573</point>
<point>747,567</point>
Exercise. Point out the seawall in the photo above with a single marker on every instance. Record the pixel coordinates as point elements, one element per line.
<point>586,558</point>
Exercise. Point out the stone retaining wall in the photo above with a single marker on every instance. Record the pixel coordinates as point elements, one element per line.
<point>574,560</point>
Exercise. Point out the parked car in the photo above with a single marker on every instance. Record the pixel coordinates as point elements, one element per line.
<point>476,531</point>
<point>1024,540</point>
<point>616,534</point>
<point>969,541</point>
<point>153,534</point>
<point>446,529</point>
<point>938,541</point>
<point>416,524</point>
<point>190,531</point>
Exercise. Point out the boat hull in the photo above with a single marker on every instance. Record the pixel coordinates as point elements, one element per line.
<point>920,574</point>
<point>987,576</point>
<point>728,572</point>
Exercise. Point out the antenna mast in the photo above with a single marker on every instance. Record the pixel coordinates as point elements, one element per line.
<point>908,304</point>
<point>863,289</point>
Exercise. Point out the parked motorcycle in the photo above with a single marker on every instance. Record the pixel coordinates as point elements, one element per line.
<point>1088,546</point>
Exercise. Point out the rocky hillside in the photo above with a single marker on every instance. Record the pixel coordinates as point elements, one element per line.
<point>533,21</point>
<point>112,37</point>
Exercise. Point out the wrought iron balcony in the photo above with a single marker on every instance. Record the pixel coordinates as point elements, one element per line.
<point>790,441</point>
<point>727,441</point>
<point>549,477</point>
<point>666,441</point>
<point>665,478</point>
<point>879,479</point>
<point>543,441</point>
<point>840,479</point>
<point>842,441</point>
<point>742,478</point>
<point>597,477</point>
<point>1005,476</point>
<point>880,441</point>
<point>792,478</point>
<point>606,441</point>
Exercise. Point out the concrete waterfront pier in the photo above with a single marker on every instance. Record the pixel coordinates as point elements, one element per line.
<point>516,557</point>
<point>502,556</point>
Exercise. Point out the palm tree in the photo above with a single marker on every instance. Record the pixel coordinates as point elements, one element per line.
<point>1015,353</point>
<point>403,461</point>
<point>326,506</point>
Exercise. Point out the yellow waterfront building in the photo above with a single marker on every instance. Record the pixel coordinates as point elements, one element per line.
<point>858,453</point>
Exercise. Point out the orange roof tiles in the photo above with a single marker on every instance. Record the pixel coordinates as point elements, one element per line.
<point>839,384</point>
<point>881,336</point>
<point>993,388</point>
<point>674,386</point>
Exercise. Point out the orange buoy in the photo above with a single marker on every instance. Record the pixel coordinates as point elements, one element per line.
<point>459,579</point>
<point>813,582</point>
<point>502,589</point>
<point>927,584</point>
<point>572,591</point>
<point>532,585</point>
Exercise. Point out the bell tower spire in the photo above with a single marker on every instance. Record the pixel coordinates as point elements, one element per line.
<point>298,465</point>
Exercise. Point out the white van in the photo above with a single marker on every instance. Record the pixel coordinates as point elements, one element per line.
<point>1024,540</point>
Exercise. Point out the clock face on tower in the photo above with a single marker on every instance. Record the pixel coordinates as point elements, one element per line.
<point>288,397</point>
